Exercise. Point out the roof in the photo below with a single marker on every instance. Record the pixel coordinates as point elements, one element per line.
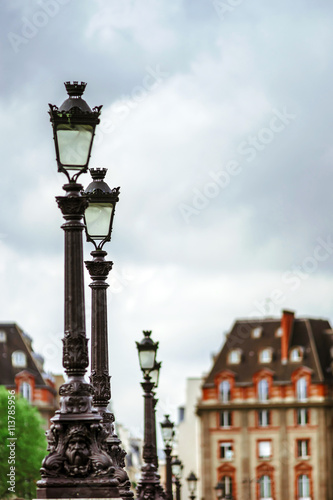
<point>16,341</point>
<point>313,335</point>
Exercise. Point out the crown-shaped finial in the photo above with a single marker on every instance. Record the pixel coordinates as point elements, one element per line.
<point>98,174</point>
<point>75,89</point>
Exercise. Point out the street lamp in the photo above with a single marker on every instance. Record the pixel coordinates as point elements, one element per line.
<point>168,434</point>
<point>149,487</point>
<point>74,126</point>
<point>192,484</point>
<point>77,464</point>
<point>99,221</point>
<point>219,488</point>
<point>177,472</point>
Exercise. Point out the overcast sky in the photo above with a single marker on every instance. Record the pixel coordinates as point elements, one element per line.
<point>217,125</point>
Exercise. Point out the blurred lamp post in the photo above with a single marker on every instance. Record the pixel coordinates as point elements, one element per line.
<point>219,488</point>
<point>177,472</point>
<point>154,377</point>
<point>167,434</point>
<point>149,487</point>
<point>99,218</point>
<point>77,464</point>
<point>192,484</point>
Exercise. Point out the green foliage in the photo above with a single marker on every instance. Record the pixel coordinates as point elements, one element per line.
<point>30,446</point>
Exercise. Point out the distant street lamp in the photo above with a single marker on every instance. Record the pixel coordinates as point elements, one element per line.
<point>99,218</point>
<point>168,434</point>
<point>177,472</point>
<point>149,487</point>
<point>192,484</point>
<point>78,465</point>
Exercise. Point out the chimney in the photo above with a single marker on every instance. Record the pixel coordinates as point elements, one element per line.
<point>287,321</point>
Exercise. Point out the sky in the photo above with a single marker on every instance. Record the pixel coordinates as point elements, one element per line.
<point>217,126</point>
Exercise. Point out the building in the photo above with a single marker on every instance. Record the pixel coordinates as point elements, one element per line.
<point>266,412</point>
<point>22,369</point>
<point>188,431</point>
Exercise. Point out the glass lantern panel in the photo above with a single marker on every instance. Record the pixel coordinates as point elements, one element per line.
<point>98,219</point>
<point>176,470</point>
<point>154,376</point>
<point>74,143</point>
<point>167,433</point>
<point>147,359</point>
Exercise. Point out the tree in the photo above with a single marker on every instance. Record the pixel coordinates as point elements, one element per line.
<point>22,446</point>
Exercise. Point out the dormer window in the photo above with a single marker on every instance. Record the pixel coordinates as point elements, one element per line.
<point>263,388</point>
<point>25,390</point>
<point>19,359</point>
<point>225,391</point>
<point>302,389</point>
<point>234,357</point>
<point>265,356</point>
<point>256,332</point>
<point>296,354</point>
<point>278,332</point>
<point>3,336</point>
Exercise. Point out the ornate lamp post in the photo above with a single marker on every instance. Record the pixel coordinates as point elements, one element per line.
<point>154,377</point>
<point>99,219</point>
<point>177,472</point>
<point>167,434</point>
<point>149,487</point>
<point>77,465</point>
<point>192,484</point>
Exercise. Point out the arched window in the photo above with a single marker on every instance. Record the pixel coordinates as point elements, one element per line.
<point>302,389</point>
<point>265,487</point>
<point>265,356</point>
<point>227,486</point>
<point>19,359</point>
<point>225,391</point>
<point>303,485</point>
<point>263,390</point>
<point>25,390</point>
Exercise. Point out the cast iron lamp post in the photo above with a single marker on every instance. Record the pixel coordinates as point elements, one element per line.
<point>149,487</point>
<point>99,219</point>
<point>192,484</point>
<point>77,465</point>
<point>177,471</point>
<point>167,434</point>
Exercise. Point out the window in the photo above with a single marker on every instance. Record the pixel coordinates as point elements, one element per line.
<point>225,418</point>
<point>265,449</point>
<point>227,486</point>
<point>264,418</point>
<point>25,390</point>
<point>296,354</point>
<point>302,416</point>
<point>3,336</point>
<point>265,487</point>
<point>303,485</point>
<point>19,359</point>
<point>278,332</point>
<point>303,448</point>
<point>263,390</point>
<point>256,332</point>
<point>225,391</point>
<point>226,451</point>
<point>302,389</point>
<point>234,357</point>
<point>265,356</point>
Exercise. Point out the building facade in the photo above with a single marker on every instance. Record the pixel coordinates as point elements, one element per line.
<point>22,369</point>
<point>266,412</point>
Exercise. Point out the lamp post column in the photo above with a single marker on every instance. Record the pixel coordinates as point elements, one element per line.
<point>99,270</point>
<point>77,464</point>
<point>168,451</point>
<point>149,487</point>
<point>178,486</point>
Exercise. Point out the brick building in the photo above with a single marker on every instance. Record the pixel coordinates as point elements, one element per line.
<point>266,412</point>
<point>22,369</point>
